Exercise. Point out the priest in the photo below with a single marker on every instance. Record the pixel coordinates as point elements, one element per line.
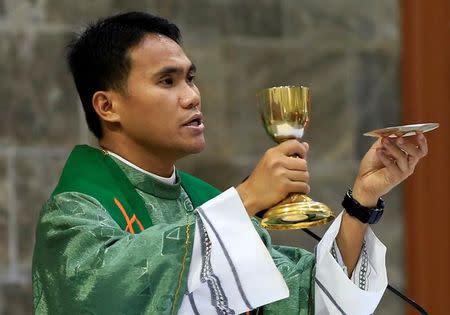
<point>126,232</point>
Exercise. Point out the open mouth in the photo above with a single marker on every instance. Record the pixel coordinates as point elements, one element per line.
<point>194,122</point>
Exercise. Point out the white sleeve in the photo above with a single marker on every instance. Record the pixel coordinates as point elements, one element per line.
<point>231,268</point>
<point>335,293</point>
<point>362,272</point>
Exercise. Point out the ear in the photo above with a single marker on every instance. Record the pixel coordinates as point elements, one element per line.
<point>103,102</point>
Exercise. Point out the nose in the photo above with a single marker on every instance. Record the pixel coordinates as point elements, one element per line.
<point>190,97</point>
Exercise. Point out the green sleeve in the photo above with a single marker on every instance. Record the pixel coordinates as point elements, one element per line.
<point>298,268</point>
<point>84,263</point>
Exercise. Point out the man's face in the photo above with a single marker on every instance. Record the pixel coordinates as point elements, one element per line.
<point>160,111</point>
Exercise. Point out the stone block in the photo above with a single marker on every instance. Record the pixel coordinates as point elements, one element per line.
<point>36,179</point>
<point>195,18</point>
<point>2,9</point>
<point>20,14</point>
<point>210,80</point>
<point>78,13</point>
<point>3,216</point>
<point>116,6</point>
<point>201,19</point>
<point>363,20</point>
<point>205,18</point>
<point>39,99</point>
<point>391,304</point>
<point>376,90</point>
<point>391,232</point>
<point>82,13</point>
<point>16,299</point>
<point>254,65</point>
<point>252,18</point>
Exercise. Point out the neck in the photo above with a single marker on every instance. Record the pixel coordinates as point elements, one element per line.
<point>139,156</point>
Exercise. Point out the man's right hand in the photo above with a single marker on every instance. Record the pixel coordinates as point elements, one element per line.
<point>275,176</point>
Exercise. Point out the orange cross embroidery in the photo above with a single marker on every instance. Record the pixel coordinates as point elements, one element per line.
<point>127,219</point>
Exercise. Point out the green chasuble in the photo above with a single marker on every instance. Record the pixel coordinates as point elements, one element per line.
<point>114,240</point>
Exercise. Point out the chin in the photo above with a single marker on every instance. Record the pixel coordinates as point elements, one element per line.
<point>196,147</point>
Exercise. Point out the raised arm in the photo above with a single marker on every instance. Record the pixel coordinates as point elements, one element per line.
<point>387,163</point>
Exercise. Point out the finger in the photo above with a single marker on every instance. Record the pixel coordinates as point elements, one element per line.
<point>412,162</point>
<point>294,164</point>
<point>293,147</point>
<point>306,144</point>
<point>422,143</point>
<point>414,154</point>
<point>389,163</point>
<point>410,148</point>
<point>298,187</point>
<point>298,176</point>
<point>422,146</point>
<point>377,144</point>
<point>400,157</point>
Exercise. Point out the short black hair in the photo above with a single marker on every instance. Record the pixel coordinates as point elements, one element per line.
<point>98,57</point>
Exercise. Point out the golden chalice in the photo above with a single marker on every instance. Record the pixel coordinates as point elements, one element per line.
<point>285,114</point>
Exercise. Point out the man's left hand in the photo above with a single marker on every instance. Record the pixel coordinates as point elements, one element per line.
<point>387,163</point>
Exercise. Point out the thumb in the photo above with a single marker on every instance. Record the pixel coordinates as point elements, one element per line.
<point>306,144</point>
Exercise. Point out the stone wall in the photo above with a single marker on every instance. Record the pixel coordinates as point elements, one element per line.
<point>346,51</point>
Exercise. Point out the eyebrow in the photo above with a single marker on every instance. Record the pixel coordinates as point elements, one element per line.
<point>175,70</point>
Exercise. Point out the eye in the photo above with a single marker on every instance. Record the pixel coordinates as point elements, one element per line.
<point>190,78</point>
<point>166,81</point>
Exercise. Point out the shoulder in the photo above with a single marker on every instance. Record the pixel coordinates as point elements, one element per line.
<point>72,210</point>
<point>198,190</point>
<point>62,199</point>
<point>72,206</point>
<point>188,179</point>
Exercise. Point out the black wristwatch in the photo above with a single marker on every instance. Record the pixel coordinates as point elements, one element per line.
<point>363,214</point>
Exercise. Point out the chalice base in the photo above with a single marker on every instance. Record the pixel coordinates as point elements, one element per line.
<point>297,211</point>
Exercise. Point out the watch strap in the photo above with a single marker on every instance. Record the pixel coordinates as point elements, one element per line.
<point>363,214</point>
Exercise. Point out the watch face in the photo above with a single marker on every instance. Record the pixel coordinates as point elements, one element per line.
<point>375,216</point>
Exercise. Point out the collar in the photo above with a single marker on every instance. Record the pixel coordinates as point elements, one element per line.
<point>163,187</point>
